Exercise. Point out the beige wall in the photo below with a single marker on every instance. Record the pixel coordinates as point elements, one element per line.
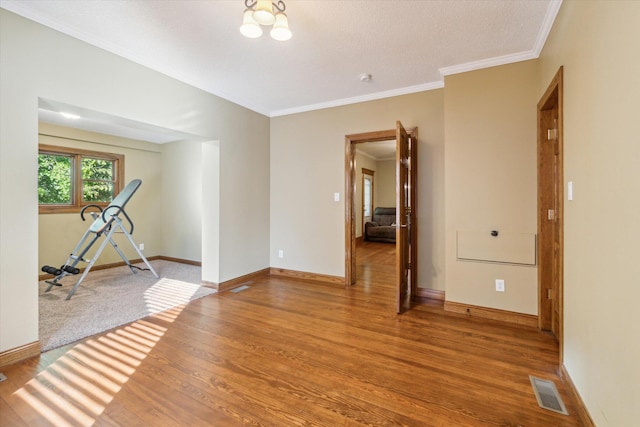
<point>598,43</point>
<point>305,221</point>
<point>36,61</point>
<point>386,183</point>
<point>58,234</point>
<point>490,179</point>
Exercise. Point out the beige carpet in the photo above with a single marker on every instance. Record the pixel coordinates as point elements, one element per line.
<point>113,297</point>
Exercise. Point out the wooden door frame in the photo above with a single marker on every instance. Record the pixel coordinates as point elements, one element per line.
<point>552,96</point>
<point>350,188</point>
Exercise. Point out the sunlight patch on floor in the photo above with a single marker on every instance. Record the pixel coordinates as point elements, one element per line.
<point>167,297</point>
<point>76,388</point>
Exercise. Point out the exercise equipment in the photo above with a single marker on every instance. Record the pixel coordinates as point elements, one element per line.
<point>106,222</point>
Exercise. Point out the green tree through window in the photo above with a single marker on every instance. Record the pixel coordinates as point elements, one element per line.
<point>54,179</point>
<point>97,180</point>
<point>71,178</point>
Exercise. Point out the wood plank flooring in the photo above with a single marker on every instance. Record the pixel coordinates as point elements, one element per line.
<point>286,353</point>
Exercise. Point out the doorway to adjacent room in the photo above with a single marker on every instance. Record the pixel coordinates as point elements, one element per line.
<point>405,204</point>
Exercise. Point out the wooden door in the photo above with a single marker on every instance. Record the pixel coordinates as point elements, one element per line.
<point>548,217</point>
<point>550,209</point>
<point>413,204</point>
<point>403,220</point>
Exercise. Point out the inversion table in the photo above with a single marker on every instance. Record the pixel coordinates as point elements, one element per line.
<point>105,224</point>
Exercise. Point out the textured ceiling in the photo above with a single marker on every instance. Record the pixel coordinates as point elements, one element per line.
<point>406,45</point>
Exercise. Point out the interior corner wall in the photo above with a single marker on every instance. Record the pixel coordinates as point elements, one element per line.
<point>597,43</point>
<point>308,167</point>
<point>182,200</point>
<point>36,61</point>
<point>491,179</point>
<point>210,196</point>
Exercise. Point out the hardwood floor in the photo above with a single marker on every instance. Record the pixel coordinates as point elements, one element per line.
<point>287,352</point>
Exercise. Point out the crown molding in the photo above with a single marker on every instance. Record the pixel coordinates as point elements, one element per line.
<point>363,98</point>
<point>487,63</point>
<point>547,24</point>
<point>362,153</point>
<point>553,8</point>
<point>545,29</point>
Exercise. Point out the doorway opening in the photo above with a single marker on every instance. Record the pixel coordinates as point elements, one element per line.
<point>136,142</point>
<point>551,210</point>
<point>404,209</point>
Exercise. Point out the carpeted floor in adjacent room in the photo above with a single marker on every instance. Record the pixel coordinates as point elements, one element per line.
<point>112,297</point>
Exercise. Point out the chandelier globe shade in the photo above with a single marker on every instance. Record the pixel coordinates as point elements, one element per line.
<point>259,13</point>
<point>280,30</point>
<point>264,13</point>
<point>250,27</point>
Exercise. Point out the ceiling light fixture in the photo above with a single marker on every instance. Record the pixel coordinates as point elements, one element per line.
<point>261,12</point>
<point>69,116</point>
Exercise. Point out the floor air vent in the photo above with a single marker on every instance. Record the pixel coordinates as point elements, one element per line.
<point>239,288</point>
<point>547,395</point>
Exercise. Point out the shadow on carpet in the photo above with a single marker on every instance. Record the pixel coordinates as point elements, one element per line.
<point>113,297</point>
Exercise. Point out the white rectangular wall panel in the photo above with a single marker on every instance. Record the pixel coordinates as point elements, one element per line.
<point>512,248</point>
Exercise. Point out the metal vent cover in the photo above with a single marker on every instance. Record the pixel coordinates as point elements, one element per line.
<point>547,395</point>
<point>239,288</point>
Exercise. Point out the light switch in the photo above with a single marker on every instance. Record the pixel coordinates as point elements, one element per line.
<point>336,197</point>
<point>570,190</point>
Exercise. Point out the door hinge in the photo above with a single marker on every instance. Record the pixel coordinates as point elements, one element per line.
<point>551,214</point>
<point>552,134</point>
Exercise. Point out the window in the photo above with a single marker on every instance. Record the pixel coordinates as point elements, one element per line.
<point>69,179</point>
<point>367,195</point>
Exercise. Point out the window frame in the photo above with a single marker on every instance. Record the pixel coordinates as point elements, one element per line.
<point>77,154</point>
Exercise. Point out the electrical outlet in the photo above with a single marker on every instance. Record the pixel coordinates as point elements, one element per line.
<point>499,285</point>
<point>141,246</point>
<point>280,253</point>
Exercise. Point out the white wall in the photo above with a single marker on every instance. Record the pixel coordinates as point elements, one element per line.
<point>211,212</point>
<point>598,43</point>
<point>36,61</point>
<point>182,200</point>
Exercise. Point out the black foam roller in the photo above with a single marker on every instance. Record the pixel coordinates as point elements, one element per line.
<point>51,270</point>
<point>71,270</point>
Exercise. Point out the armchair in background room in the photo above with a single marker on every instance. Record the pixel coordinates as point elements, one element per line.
<point>382,228</point>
